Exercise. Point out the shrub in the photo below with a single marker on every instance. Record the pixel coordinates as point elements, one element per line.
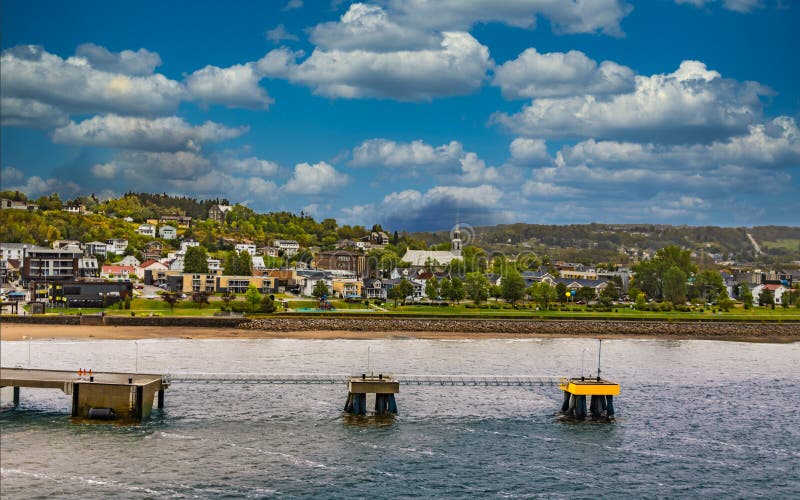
<point>470,306</point>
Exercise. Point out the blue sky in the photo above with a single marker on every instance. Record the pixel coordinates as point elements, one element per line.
<point>408,112</point>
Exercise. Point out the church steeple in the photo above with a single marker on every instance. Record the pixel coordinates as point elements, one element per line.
<point>455,242</point>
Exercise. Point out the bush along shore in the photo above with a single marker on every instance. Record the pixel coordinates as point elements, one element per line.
<point>552,327</point>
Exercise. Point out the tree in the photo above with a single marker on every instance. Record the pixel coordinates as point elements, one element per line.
<point>431,287</point>
<point>495,291</point>
<point>406,288</point>
<point>195,261</point>
<point>200,298</point>
<point>708,285</point>
<point>253,298</point>
<point>170,298</point>
<point>746,295</point>
<point>245,264</point>
<point>766,298</point>
<point>611,292</point>
<point>227,297</point>
<point>641,302</point>
<point>561,291</point>
<point>586,294</point>
<point>477,287</point>
<point>513,286</point>
<point>320,289</point>
<point>724,301</point>
<point>650,274</point>
<point>268,305</point>
<point>542,293</point>
<point>674,286</point>
<point>456,291</point>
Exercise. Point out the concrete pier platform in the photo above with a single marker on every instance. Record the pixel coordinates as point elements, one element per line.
<point>129,395</point>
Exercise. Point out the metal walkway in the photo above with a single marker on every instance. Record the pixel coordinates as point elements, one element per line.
<point>322,379</point>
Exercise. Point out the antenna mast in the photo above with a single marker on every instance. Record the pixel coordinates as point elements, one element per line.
<point>599,350</point>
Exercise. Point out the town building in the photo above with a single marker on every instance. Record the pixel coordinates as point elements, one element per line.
<point>436,258</point>
<point>167,232</point>
<point>342,260</point>
<point>217,212</point>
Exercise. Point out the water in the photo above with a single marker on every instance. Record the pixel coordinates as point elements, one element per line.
<point>695,419</point>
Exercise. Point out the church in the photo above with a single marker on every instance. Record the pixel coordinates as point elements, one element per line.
<point>436,258</point>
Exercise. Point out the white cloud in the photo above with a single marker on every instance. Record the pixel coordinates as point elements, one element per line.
<point>559,74</point>
<point>566,16</point>
<point>369,27</point>
<point>139,63</point>
<point>775,144</point>
<point>524,150</point>
<point>548,190</point>
<point>73,85</point>
<point>692,104</point>
<point>251,166</point>
<point>315,179</point>
<point>235,86</point>
<point>11,175</point>
<point>279,33</point>
<point>155,168</point>
<point>475,171</point>
<point>159,134</point>
<point>293,4</point>
<point>216,183</point>
<point>458,67</point>
<point>742,6</point>
<point>36,186</point>
<point>388,153</point>
<point>30,113</point>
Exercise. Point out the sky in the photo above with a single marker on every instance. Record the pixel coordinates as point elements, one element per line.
<point>412,113</point>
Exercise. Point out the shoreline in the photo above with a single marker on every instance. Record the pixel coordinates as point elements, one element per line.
<point>16,332</point>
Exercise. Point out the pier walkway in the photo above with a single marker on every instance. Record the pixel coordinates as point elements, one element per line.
<point>323,379</point>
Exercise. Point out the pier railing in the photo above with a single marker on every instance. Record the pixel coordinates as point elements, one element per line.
<point>403,379</point>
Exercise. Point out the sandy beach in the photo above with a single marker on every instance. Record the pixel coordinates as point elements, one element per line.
<point>16,332</point>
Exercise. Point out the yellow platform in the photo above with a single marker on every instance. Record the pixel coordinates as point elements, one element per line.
<point>589,387</point>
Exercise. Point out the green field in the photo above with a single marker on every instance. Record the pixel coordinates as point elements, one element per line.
<point>790,245</point>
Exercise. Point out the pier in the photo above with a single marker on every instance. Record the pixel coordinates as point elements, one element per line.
<point>102,395</point>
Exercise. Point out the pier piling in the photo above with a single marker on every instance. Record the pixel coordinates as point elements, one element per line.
<point>383,386</point>
<point>600,392</point>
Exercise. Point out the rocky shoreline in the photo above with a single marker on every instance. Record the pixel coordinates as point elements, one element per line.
<point>551,327</point>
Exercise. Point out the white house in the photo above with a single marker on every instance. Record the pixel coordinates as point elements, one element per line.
<point>185,244</point>
<point>214,266</point>
<point>147,230</point>
<point>167,232</point>
<point>777,292</point>
<point>129,260</point>
<point>289,247</point>
<point>258,263</point>
<point>118,245</point>
<point>96,248</point>
<point>246,247</point>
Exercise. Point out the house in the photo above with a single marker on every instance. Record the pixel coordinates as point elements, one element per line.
<point>379,238</point>
<point>118,245</point>
<point>96,248</point>
<point>577,284</point>
<point>88,294</point>
<point>269,251</point>
<point>75,208</point>
<point>777,292</point>
<point>16,251</point>
<point>118,271</point>
<point>346,287</point>
<point>214,266</point>
<point>17,205</point>
<point>167,232</point>
<point>68,245</point>
<point>186,244</point>
<point>435,258</point>
<point>246,247</point>
<point>178,220</point>
<point>152,268</point>
<point>288,247</point>
<point>129,260</point>
<point>175,264</point>
<point>152,250</point>
<point>342,260</point>
<point>217,212</point>
<point>537,276</point>
<point>258,263</point>
<point>147,230</point>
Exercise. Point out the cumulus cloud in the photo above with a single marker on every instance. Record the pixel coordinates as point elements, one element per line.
<point>315,179</point>
<point>771,145</point>
<point>74,85</point>
<point>392,154</point>
<point>235,86</point>
<point>692,104</point>
<point>36,186</point>
<point>11,175</point>
<point>527,151</point>
<point>457,67</point>
<point>30,113</point>
<point>293,4</point>
<point>279,34</point>
<point>559,74</point>
<point>217,183</point>
<point>369,27</point>
<point>167,134</point>
<point>139,63</point>
<point>140,167</point>
<point>594,16</point>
